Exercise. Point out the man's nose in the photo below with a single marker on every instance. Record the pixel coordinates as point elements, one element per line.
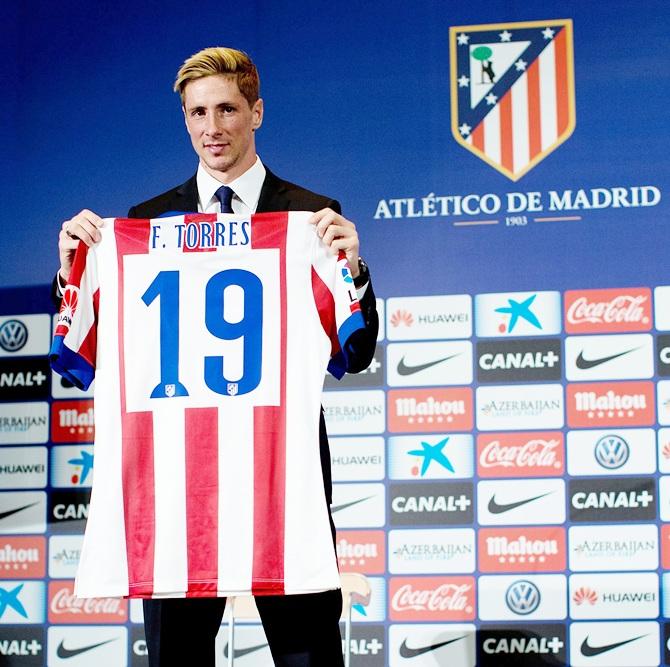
<point>211,126</point>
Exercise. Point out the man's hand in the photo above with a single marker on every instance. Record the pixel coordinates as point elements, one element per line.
<point>84,226</point>
<point>339,234</point>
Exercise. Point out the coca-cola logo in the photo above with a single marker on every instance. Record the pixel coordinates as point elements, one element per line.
<point>432,598</point>
<point>608,310</point>
<point>521,454</point>
<point>64,606</point>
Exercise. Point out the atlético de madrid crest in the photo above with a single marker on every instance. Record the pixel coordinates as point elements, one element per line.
<point>512,91</point>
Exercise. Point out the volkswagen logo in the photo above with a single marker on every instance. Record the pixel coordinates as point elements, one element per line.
<point>611,451</point>
<point>523,597</point>
<point>13,335</point>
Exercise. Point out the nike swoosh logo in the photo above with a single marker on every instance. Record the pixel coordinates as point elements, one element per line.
<point>407,652</point>
<point>4,515</point>
<point>239,652</point>
<point>66,653</point>
<point>496,508</point>
<point>589,651</point>
<point>337,508</point>
<point>585,364</point>
<point>404,369</point>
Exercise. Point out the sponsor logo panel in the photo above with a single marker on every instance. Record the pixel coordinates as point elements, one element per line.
<point>432,551</point>
<point>23,512</point>
<point>431,456</point>
<point>625,499</point>
<point>614,596</point>
<point>529,549</point>
<point>68,510</point>
<point>608,548</point>
<point>522,597</point>
<point>664,498</point>
<point>372,376</point>
<point>62,388</point>
<point>367,646</point>
<point>430,410</point>
<point>429,317</point>
<point>662,308</point>
<point>22,602</point>
<point>375,611</point>
<point>139,654</point>
<point>72,421</point>
<point>515,314</point>
<point>521,502</point>
<point>71,466</point>
<point>83,646</point>
<point>431,503</point>
<point>357,459</point>
<point>381,312</point>
<point>621,644</point>
<point>432,598</point>
<point>428,645</point>
<point>663,355</point>
<point>136,611</point>
<point>23,467</point>
<point>24,423</point>
<point>64,607</point>
<point>251,647</point>
<point>24,335</point>
<point>358,505</point>
<point>530,454</point>
<point>519,360</point>
<point>665,547</point>
<point>514,407</point>
<point>663,388</point>
<point>625,357</point>
<point>352,412</point>
<point>24,378</point>
<point>64,554</point>
<point>664,450</point>
<point>22,557</point>
<point>521,645</point>
<point>612,452</point>
<point>361,551</point>
<point>666,643</point>
<point>428,364</point>
<point>610,404</point>
<point>22,646</point>
<point>608,310</point>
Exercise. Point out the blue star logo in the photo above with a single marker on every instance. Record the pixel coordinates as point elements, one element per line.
<point>433,453</point>
<point>360,609</point>
<point>86,463</point>
<point>520,309</point>
<point>11,599</point>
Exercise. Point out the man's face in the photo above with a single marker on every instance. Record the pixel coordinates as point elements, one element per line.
<point>221,125</point>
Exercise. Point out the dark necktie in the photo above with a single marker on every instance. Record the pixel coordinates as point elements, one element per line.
<point>225,195</point>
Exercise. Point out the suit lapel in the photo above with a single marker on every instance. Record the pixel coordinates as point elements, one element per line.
<point>274,195</point>
<point>186,197</point>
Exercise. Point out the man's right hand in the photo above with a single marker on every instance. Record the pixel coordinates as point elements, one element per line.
<point>85,227</point>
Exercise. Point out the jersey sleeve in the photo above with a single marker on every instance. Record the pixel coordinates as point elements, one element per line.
<point>73,350</point>
<point>337,302</point>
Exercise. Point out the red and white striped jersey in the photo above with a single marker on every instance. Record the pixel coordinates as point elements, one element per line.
<point>209,337</point>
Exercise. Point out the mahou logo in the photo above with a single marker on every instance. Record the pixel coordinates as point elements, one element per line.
<point>430,410</point>
<point>72,421</point>
<point>522,549</point>
<point>432,599</point>
<point>665,546</point>
<point>608,310</point>
<point>361,551</point>
<point>532,454</point>
<point>610,404</point>
<point>64,607</point>
<point>22,557</point>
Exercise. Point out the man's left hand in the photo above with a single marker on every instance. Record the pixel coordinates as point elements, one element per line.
<point>339,234</point>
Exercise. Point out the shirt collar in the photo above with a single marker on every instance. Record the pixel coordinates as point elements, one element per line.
<point>247,187</point>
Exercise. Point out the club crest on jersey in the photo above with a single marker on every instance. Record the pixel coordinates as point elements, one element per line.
<point>232,388</point>
<point>512,91</point>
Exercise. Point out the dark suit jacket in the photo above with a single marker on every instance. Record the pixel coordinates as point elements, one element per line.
<point>278,195</point>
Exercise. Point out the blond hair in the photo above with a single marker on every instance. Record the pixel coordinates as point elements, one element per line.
<point>220,60</point>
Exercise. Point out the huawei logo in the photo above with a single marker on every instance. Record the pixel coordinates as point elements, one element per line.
<point>666,450</point>
<point>402,317</point>
<point>585,595</point>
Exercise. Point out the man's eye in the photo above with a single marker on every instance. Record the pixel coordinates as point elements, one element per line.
<point>228,109</point>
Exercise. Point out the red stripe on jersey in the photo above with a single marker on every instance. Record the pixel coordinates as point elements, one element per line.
<point>137,442</point>
<point>325,304</point>
<point>561,82</point>
<point>201,427</point>
<point>478,136</point>
<point>534,125</point>
<point>506,132</point>
<point>89,346</point>
<point>267,578</point>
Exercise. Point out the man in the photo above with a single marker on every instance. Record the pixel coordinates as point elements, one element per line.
<point>219,89</point>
